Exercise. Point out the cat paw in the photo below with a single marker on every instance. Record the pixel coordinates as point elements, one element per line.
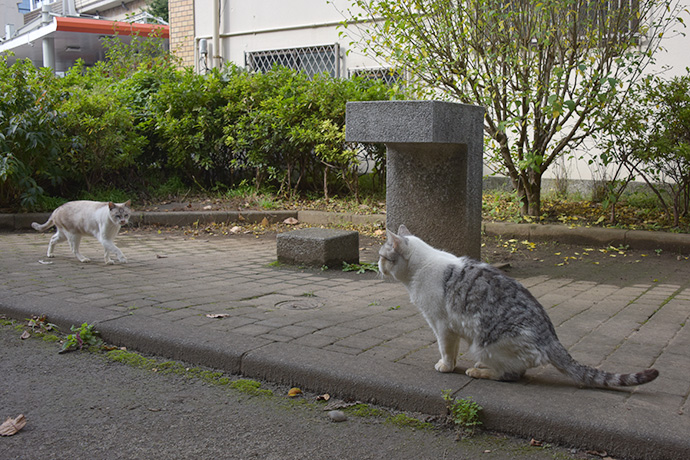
<point>84,260</point>
<point>122,260</point>
<point>442,366</point>
<point>483,373</point>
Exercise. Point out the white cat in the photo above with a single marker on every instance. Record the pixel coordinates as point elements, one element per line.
<point>79,218</point>
<point>507,328</point>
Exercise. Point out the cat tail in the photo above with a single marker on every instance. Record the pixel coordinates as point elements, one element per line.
<point>592,377</point>
<point>43,227</point>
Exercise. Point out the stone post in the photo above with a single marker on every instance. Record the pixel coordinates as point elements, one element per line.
<point>434,167</point>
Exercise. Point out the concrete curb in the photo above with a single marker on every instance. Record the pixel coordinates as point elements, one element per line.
<point>594,236</point>
<point>508,407</point>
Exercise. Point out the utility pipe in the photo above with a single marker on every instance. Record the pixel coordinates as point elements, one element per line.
<point>217,61</point>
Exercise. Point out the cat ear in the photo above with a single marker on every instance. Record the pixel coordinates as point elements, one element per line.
<point>398,242</point>
<point>403,231</point>
<point>111,205</point>
<point>128,203</point>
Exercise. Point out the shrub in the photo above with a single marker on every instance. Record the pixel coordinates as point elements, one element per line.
<point>651,138</point>
<point>188,122</point>
<point>102,138</point>
<point>30,133</point>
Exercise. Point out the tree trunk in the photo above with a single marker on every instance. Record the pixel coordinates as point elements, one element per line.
<point>530,194</point>
<point>325,182</point>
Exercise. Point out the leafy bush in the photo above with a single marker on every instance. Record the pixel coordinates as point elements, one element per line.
<point>30,133</point>
<point>290,128</point>
<point>651,139</point>
<point>102,137</point>
<point>188,120</point>
<point>135,120</point>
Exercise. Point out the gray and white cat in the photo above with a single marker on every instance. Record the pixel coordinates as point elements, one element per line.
<point>507,328</point>
<point>80,218</point>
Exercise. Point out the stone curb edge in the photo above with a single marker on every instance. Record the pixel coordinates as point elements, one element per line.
<point>389,386</point>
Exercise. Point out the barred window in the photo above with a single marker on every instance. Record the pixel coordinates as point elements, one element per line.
<point>387,75</point>
<point>311,60</point>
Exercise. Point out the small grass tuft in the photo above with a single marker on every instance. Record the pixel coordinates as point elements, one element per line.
<point>364,410</point>
<point>250,387</point>
<point>360,268</point>
<point>402,420</point>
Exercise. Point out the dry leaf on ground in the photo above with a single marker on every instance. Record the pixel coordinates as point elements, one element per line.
<point>294,392</point>
<point>12,426</point>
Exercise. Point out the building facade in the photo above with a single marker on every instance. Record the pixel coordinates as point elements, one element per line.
<point>56,33</point>
<point>305,34</point>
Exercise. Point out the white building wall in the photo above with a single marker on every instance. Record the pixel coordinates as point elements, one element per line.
<point>10,15</point>
<point>260,25</point>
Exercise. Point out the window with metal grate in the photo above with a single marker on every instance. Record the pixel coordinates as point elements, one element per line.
<point>311,60</point>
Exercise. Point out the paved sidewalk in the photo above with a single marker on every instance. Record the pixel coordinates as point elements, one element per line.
<point>356,336</point>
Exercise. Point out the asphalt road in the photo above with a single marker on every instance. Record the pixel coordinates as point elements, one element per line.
<point>81,405</point>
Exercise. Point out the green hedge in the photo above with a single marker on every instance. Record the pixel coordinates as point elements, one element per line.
<point>138,120</point>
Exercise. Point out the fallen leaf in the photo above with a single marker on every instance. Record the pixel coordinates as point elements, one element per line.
<point>597,453</point>
<point>208,208</point>
<point>291,221</point>
<point>159,256</point>
<point>294,392</point>
<point>44,262</point>
<point>217,315</point>
<point>12,426</point>
<point>323,397</point>
<point>535,443</point>
<point>264,222</point>
<point>25,335</point>
<point>338,404</point>
<point>235,229</point>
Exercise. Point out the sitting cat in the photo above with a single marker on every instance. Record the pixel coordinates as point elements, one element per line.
<point>507,328</point>
<point>79,218</point>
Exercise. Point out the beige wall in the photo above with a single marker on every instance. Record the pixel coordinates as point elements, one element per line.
<point>181,18</point>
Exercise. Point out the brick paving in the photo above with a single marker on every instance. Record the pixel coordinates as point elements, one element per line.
<point>359,336</point>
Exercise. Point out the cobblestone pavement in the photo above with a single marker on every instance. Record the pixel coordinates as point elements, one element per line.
<point>357,336</point>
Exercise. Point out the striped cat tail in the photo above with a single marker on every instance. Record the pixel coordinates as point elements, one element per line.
<point>592,377</point>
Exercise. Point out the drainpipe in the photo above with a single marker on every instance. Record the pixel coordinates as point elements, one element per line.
<point>48,43</point>
<point>216,61</point>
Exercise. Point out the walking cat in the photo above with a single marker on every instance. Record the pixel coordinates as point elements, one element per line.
<point>507,328</point>
<point>79,218</point>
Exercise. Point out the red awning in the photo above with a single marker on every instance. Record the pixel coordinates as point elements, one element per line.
<point>100,26</point>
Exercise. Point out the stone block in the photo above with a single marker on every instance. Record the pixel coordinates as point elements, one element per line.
<point>406,122</point>
<point>317,247</point>
<point>434,167</point>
